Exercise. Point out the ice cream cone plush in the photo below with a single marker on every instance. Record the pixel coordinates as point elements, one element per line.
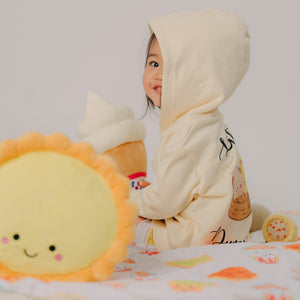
<point>113,130</point>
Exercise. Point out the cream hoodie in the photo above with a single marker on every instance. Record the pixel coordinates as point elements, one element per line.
<point>200,194</point>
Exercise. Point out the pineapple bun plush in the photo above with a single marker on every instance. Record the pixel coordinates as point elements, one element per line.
<point>65,212</point>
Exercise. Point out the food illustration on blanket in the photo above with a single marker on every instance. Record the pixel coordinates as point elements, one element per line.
<point>265,254</point>
<point>234,273</point>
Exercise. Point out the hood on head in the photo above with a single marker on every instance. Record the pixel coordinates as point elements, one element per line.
<point>206,55</point>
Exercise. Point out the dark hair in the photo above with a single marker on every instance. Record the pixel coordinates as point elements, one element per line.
<point>150,104</point>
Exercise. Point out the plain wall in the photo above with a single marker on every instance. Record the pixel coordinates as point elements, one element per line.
<point>53,52</point>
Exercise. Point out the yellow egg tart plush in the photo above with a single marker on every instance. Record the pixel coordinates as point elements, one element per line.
<point>280,228</point>
<point>65,212</point>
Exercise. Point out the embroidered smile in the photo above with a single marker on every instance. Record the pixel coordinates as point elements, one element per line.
<point>27,254</point>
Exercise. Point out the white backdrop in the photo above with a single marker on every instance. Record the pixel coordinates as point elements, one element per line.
<point>52,52</point>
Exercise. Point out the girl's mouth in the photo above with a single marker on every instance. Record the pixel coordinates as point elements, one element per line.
<point>157,89</point>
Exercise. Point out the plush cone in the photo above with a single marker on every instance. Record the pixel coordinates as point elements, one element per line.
<point>114,131</point>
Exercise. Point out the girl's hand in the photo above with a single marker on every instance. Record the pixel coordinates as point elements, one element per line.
<point>139,220</point>
<point>143,183</point>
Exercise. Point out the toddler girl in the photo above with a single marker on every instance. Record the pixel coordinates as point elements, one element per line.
<point>195,61</point>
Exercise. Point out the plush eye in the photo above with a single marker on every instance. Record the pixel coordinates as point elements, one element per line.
<point>16,236</point>
<point>52,248</point>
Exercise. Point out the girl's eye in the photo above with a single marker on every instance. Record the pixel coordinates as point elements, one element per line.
<point>154,64</point>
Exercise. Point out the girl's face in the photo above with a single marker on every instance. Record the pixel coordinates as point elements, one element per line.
<point>152,78</point>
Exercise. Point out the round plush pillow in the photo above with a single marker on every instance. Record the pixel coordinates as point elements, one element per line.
<point>280,228</point>
<point>65,212</point>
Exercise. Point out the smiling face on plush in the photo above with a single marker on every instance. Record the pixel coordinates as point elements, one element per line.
<point>57,214</point>
<point>52,230</point>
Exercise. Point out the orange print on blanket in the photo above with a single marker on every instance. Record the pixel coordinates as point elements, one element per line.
<point>234,273</point>
<point>270,286</point>
<point>189,263</point>
<point>125,265</point>
<point>145,276</point>
<point>189,286</point>
<point>271,296</point>
<point>116,285</point>
<point>295,247</point>
<point>264,253</point>
<point>260,247</point>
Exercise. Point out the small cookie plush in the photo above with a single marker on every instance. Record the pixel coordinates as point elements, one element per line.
<point>280,228</point>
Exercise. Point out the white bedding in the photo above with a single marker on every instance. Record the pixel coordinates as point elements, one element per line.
<point>272,272</point>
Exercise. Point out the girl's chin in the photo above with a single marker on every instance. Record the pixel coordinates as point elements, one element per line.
<point>155,99</point>
<point>157,103</point>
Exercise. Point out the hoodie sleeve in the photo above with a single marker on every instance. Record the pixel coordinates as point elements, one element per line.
<point>173,189</point>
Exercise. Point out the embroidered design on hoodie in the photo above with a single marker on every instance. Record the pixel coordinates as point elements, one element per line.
<point>227,143</point>
<point>240,207</point>
<point>219,237</point>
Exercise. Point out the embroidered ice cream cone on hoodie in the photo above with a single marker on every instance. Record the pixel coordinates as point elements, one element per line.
<point>113,130</point>
<point>240,207</point>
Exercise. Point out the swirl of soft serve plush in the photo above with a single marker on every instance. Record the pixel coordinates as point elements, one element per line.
<point>114,131</point>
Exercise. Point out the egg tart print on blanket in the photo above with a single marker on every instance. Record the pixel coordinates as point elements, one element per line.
<point>262,253</point>
<point>240,207</point>
<point>234,274</point>
<point>65,212</point>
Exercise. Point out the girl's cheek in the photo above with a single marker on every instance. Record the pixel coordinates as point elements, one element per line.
<point>146,79</point>
<point>58,257</point>
<point>5,240</point>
